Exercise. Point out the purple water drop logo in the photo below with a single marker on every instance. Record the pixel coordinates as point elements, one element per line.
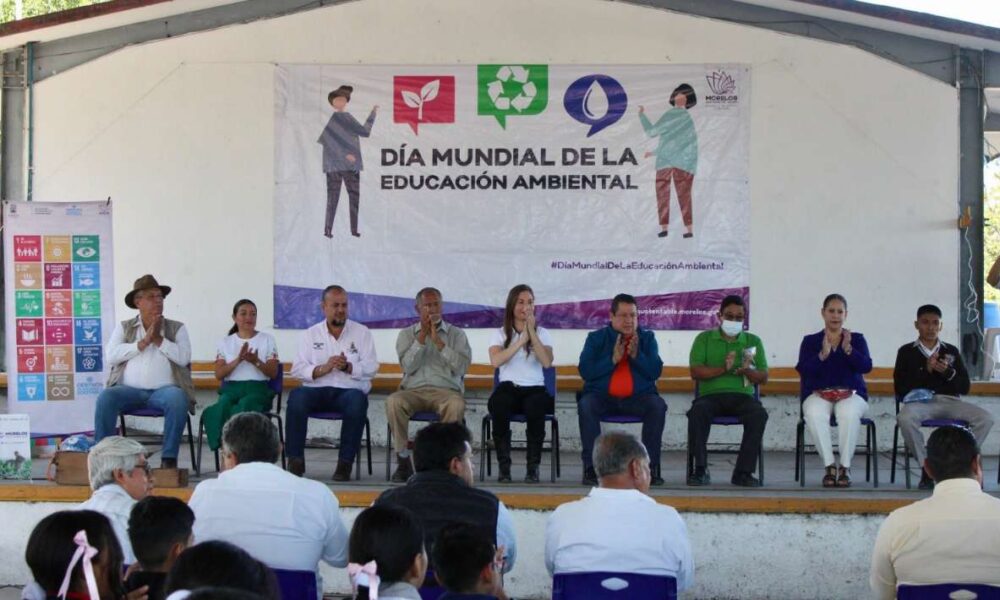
<point>596,100</point>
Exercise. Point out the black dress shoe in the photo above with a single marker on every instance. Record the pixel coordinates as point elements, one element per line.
<point>662,234</point>
<point>744,479</point>
<point>589,477</point>
<point>656,481</point>
<point>701,476</point>
<point>504,475</point>
<point>296,466</point>
<point>926,483</point>
<point>343,472</point>
<point>168,463</point>
<point>532,475</point>
<point>327,234</point>
<point>355,234</point>
<point>688,235</point>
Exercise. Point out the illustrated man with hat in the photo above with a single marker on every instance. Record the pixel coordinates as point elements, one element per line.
<point>150,360</point>
<point>342,156</point>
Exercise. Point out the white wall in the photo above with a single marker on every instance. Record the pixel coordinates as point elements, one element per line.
<point>853,159</point>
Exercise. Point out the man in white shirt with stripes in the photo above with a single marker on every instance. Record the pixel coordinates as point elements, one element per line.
<point>335,362</point>
<point>618,528</point>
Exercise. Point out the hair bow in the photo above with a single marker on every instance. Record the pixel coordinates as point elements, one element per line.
<point>366,575</point>
<point>87,552</point>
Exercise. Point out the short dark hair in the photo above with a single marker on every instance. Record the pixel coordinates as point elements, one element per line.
<point>688,91</point>
<point>223,593</point>
<point>832,297</point>
<point>155,525</point>
<point>221,564</point>
<point>622,299</point>
<point>461,550</point>
<point>51,547</point>
<point>950,452</point>
<point>252,437</point>
<point>928,309</point>
<point>731,299</point>
<point>427,290</point>
<point>332,288</point>
<point>438,443</point>
<point>389,535</point>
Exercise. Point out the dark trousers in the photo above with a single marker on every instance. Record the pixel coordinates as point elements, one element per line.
<point>751,413</point>
<point>532,401</point>
<point>649,407</point>
<point>304,400</point>
<point>352,180</point>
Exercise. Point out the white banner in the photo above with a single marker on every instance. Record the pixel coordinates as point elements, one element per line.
<point>582,181</point>
<point>60,311</point>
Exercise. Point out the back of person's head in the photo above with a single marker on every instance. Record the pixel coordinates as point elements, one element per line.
<point>393,538</point>
<point>223,593</point>
<point>51,547</point>
<point>437,444</point>
<point>251,437</point>
<point>928,309</point>
<point>951,453</point>
<point>461,552</point>
<point>614,450</point>
<point>110,454</point>
<point>159,528</point>
<point>221,564</point>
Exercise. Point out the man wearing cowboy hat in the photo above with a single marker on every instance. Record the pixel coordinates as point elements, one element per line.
<point>342,156</point>
<point>150,360</point>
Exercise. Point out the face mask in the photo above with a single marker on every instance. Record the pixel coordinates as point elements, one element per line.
<point>732,328</point>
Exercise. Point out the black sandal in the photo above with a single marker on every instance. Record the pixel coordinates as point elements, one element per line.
<point>830,479</point>
<point>844,478</point>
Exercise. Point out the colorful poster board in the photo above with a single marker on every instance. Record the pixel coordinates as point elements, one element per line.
<point>15,447</point>
<point>60,311</point>
<point>475,178</point>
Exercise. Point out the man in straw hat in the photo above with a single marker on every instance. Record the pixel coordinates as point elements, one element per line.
<point>150,360</point>
<point>342,156</point>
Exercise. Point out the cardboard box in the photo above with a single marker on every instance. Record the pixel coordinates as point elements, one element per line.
<point>71,468</point>
<point>170,478</point>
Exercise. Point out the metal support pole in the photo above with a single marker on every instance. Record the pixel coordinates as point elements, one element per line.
<point>970,200</point>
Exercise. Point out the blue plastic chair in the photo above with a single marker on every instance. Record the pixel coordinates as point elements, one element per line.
<point>432,588</point>
<point>727,422</point>
<point>613,586</point>
<point>151,412</point>
<point>486,453</point>
<point>906,451</point>
<point>871,448</point>
<point>944,591</point>
<point>296,585</point>
<point>621,420</point>
<point>276,384</point>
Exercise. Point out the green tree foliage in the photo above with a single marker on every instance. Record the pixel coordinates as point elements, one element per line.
<point>34,8</point>
<point>991,228</point>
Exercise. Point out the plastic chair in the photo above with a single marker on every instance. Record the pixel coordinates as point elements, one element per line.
<point>906,451</point>
<point>151,412</point>
<point>613,586</point>
<point>432,588</point>
<point>945,591</point>
<point>337,416</point>
<point>871,448</point>
<point>296,585</point>
<point>424,416</point>
<point>276,384</point>
<point>621,420</point>
<point>486,454</point>
<point>727,421</point>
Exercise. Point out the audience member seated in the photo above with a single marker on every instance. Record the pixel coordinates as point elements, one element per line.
<point>618,528</point>
<point>831,366</point>
<point>442,489</point>
<point>387,551</point>
<point>215,593</point>
<point>244,362</point>
<point>51,555</point>
<point>159,529</point>
<point>286,521</point>
<point>619,365</point>
<point>520,351</point>
<point>119,477</point>
<point>220,564</point>
<point>150,360</point>
<point>434,356</point>
<point>727,362</point>
<point>336,362</point>
<point>930,365</point>
<point>470,563</point>
<point>951,537</point>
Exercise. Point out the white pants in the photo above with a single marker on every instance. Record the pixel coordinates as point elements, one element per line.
<point>848,411</point>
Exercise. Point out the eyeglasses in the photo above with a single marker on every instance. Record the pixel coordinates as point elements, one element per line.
<point>145,469</point>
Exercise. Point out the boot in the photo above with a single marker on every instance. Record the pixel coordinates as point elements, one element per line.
<point>502,444</point>
<point>296,466</point>
<point>534,458</point>
<point>343,471</point>
<point>403,469</point>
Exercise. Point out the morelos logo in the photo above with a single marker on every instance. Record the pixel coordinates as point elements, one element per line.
<point>723,88</point>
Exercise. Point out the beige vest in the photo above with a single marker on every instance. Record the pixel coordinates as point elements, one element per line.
<point>182,375</point>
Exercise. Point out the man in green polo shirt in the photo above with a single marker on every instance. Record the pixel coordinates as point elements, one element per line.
<point>727,363</point>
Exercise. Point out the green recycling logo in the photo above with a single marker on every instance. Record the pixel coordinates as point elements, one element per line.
<point>512,90</point>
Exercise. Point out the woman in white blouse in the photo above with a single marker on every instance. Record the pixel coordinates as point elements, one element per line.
<point>520,351</point>
<point>244,362</point>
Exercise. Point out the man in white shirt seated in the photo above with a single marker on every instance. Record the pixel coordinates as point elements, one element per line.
<point>618,528</point>
<point>951,537</point>
<point>119,477</point>
<point>283,520</point>
<point>150,359</point>
<point>336,362</point>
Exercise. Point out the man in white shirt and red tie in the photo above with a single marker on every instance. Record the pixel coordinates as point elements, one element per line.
<point>335,362</point>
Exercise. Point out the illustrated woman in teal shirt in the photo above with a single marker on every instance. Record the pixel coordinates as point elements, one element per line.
<point>676,155</point>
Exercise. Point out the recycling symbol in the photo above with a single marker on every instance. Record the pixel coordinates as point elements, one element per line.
<point>514,75</point>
